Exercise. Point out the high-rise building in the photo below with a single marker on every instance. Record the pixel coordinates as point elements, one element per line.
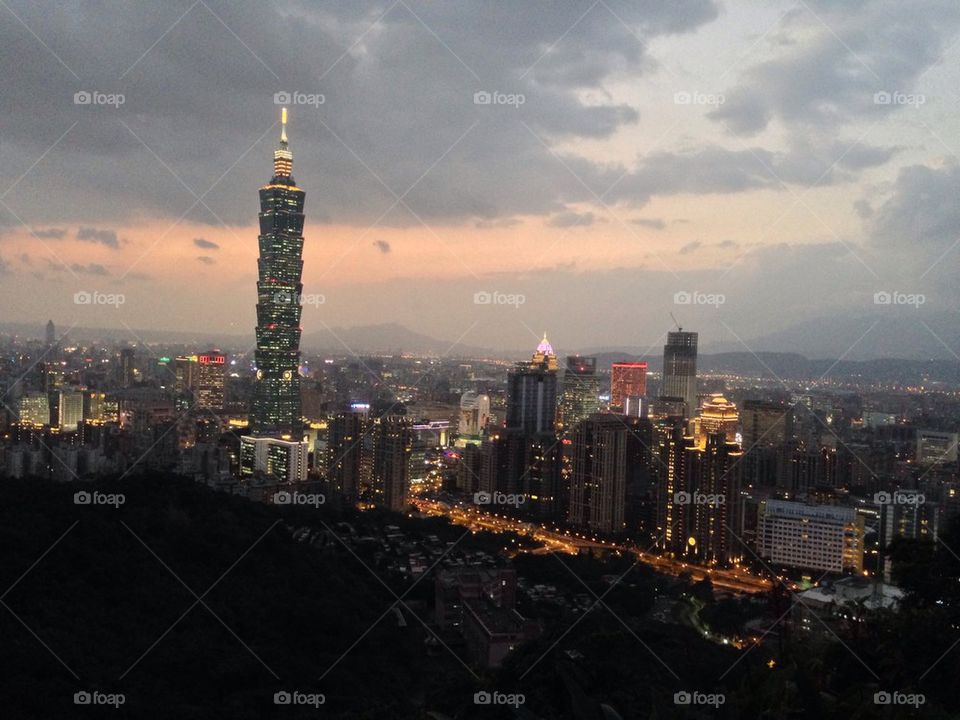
<point>581,392</point>
<point>185,372</point>
<point>628,380</point>
<point>126,370</point>
<point>713,496</point>
<point>34,409</point>
<point>285,461</point>
<point>392,442</point>
<point>70,409</point>
<point>276,407</point>
<point>532,392</point>
<point>680,369</point>
<point>718,415</point>
<point>211,376</point>
<point>474,417</point>
<point>816,537</point>
<point>344,462</point>
<point>51,334</point>
<point>607,452</point>
<point>765,423</point>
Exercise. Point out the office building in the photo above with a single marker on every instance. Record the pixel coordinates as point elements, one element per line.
<point>532,392</point>
<point>344,463</point>
<point>680,369</point>
<point>285,461</point>
<point>474,417</point>
<point>936,448</point>
<point>628,383</point>
<point>391,446</point>
<point>581,392</point>
<point>718,415</point>
<point>34,409</point>
<point>607,453</point>
<point>126,369</point>
<point>715,526</point>
<point>211,377</point>
<point>827,538</point>
<point>70,409</point>
<point>276,409</point>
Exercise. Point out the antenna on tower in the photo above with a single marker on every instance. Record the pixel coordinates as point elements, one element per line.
<point>679,329</point>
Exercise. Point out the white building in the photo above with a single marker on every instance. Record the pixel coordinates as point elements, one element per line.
<point>285,460</point>
<point>815,537</point>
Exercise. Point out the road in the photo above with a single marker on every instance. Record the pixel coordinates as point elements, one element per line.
<point>736,579</point>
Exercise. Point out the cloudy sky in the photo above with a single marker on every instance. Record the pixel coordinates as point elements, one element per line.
<point>589,168</point>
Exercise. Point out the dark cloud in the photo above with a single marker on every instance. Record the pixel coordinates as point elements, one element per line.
<point>498,223</point>
<point>382,245</point>
<point>89,269</point>
<point>922,210</point>
<point>571,219</point>
<point>50,233</point>
<point>652,223</point>
<point>829,59</point>
<point>690,247</point>
<point>206,260</point>
<point>198,107</point>
<point>205,244</point>
<point>94,235</point>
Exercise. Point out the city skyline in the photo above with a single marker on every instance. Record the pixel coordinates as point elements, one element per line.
<point>602,360</point>
<point>719,184</point>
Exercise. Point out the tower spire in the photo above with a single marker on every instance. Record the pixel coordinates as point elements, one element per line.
<point>282,157</point>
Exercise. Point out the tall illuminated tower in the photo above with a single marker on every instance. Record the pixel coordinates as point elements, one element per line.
<point>276,410</point>
<point>680,369</point>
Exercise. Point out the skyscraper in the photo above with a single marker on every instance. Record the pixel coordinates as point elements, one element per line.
<point>127,366</point>
<point>210,379</point>
<point>532,392</point>
<point>391,448</point>
<point>680,369</point>
<point>51,333</point>
<point>344,461</point>
<point>718,415</point>
<point>581,392</point>
<point>607,453</point>
<point>627,380</point>
<point>276,403</point>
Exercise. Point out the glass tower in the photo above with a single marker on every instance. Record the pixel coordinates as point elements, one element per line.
<point>276,408</point>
